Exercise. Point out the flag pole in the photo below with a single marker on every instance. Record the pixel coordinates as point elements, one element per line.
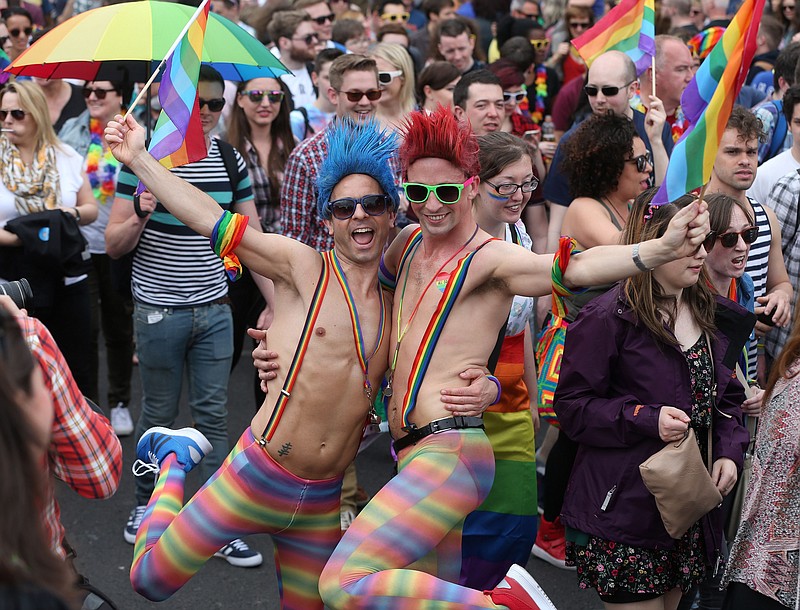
<point>653,74</point>
<point>166,57</point>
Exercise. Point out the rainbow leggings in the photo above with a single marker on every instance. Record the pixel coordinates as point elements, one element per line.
<point>404,550</point>
<point>249,494</point>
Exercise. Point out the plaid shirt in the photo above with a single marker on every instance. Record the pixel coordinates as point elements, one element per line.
<point>299,219</point>
<point>268,210</point>
<point>783,200</point>
<point>84,451</point>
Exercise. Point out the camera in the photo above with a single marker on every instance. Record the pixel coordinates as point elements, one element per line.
<point>19,291</point>
<point>766,318</point>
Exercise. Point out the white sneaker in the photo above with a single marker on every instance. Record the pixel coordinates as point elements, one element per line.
<point>347,517</point>
<point>121,420</point>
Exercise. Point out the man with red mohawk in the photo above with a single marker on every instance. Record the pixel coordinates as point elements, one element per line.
<point>454,286</point>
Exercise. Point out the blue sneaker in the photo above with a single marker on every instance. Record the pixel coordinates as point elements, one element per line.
<point>188,445</point>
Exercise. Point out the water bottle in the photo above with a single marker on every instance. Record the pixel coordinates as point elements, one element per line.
<point>548,135</point>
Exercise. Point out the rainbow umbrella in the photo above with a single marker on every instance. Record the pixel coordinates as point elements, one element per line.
<point>127,42</point>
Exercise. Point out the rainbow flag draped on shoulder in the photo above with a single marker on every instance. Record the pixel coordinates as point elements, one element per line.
<point>628,27</point>
<point>707,102</point>
<point>178,136</point>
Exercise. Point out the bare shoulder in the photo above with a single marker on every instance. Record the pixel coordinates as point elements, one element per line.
<point>391,258</point>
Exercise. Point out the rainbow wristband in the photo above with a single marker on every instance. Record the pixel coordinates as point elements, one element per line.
<point>499,388</point>
<point>225,238</point>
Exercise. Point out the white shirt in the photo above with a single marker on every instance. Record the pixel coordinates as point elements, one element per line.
<point>769,173</point>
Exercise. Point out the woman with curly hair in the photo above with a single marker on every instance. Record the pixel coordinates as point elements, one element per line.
<point>608,165</point>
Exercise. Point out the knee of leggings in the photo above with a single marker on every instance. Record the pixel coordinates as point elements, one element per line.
<point>148,587</point>
<point>334,583</point>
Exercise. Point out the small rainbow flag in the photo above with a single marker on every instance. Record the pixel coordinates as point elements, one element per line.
<point>628,27</point>
<point>178,136</point>
<point>707,102</point>
<point>5,61</point>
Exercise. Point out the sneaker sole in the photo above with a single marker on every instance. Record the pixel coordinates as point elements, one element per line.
<point>238,562</point>
<point>540,553</point>
<point>128,538</point>
<point>533,588</point>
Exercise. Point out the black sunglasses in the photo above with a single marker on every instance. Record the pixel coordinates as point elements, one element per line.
<point>256,96</point>
<point>608,90</point>
<point>100,94</point>
<point>17,31</point>
<point>344,208</point>
<point>17,114</point>
<point>214,105</point>
<point>730,239</point>
<point>308,39</point>
<point>323,18</point>
<point>641,161</point>
<point>373,95</point>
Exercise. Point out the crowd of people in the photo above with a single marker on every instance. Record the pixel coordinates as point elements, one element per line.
<point>418,160</point>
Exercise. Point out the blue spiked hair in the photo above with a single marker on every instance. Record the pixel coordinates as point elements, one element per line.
<point>356,148</point>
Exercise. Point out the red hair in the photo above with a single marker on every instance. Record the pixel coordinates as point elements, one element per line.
<point>441,136</point>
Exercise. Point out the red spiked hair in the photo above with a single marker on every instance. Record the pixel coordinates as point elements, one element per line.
<point>439,135</point>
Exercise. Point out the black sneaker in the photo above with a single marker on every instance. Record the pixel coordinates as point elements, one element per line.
<point>238,554</point>
<point>134,520</point>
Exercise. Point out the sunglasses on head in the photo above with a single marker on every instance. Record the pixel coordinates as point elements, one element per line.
<point>513,96</point>
<point>448,194</point>
<point>642,161</point>
<point>17,114</point>
<point>395,17</point>
<point>344,208</point>
<point>323,18</point>
<point>540,44</point>
<point>100,94</point>
<point>256,96</point>
<point>215,105</point>
<point>373,95</point>
<point>386,78</point>
<point>731,238</point>
<point>17,31</point>
<point>608,90</point>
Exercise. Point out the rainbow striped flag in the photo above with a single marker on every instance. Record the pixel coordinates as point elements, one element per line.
<point>707,102</point>
<point>5,61</point>
<point>178,136</point>
<point>628,27</point>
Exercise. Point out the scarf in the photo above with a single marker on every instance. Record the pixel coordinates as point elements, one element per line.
<point>36,186</point>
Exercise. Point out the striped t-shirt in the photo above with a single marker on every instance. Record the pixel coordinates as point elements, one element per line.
<point>173,266</point>
<point>756,267</point>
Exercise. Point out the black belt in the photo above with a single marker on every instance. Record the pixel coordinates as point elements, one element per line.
<point>440,425</point>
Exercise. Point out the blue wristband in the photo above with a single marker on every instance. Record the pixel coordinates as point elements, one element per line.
<point>499,388</point>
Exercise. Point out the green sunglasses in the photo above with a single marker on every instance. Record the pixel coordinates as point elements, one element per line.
<point>447,194</point>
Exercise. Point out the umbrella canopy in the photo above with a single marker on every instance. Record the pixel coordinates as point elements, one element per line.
<point>127,42</point>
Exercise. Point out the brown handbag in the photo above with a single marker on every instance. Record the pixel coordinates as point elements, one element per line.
<point>680,482</point>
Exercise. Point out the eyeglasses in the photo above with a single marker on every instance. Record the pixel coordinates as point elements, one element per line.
<point>580,25</point>
<point>787,7</point>
<point>448,194</point>
<point>373,95</point>
<point>256,96</point>
<point>322,19</point>
<point>395,17</point>
<point>308,39</point>
<point>100,94</point>
<point>215,105</point>
<point>344,208</point>
<point>17,114</point>
<point>540,44</point>
<point>17,31</point>
<point>509,188</point>
<point>608,90</point>
<point>513,96</point>
<point>730,239</point>
<point>386,78</point>
<point>642,161</point>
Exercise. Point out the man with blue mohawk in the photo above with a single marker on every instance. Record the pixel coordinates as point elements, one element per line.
<point>284,475</point>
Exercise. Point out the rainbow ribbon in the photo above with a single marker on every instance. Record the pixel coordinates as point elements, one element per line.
<point>225,238</point>
<point>566,248</point>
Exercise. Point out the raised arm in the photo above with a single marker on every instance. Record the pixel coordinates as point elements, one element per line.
<point>272,256</point>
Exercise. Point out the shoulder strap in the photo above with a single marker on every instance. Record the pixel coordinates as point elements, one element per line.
<point>308,128</point>
<point>228,154</point>
<point>515,236</point>
<point>299,353</point>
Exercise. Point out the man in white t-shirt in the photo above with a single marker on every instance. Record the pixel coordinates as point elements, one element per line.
<point>295,37</point>
<point>787,161</point>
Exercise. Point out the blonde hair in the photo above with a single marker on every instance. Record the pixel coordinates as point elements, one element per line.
<point>401,60</point>
<point>32,101</point>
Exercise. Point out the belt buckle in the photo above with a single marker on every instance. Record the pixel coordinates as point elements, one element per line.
<point>434,425</point>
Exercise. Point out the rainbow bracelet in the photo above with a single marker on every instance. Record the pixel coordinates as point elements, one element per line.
<point>225,238</point>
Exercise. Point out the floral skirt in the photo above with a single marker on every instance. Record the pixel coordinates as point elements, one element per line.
<point>610,567</point>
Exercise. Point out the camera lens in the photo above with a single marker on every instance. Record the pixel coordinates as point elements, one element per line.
<point>19,291</point>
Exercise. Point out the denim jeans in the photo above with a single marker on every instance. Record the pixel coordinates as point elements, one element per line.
<point>197,341</point>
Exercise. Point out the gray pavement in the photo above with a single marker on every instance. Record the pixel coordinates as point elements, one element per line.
<point>94,527</point>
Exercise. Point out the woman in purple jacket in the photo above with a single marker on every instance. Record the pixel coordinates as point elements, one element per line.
<point>636,372</point>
